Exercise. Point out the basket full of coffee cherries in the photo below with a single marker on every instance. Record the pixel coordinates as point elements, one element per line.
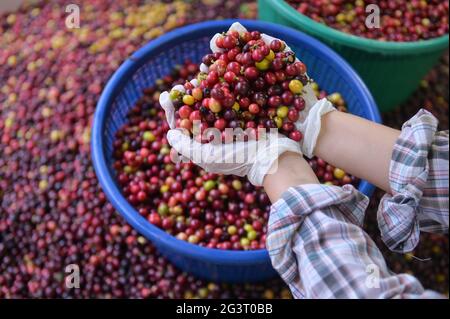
<point>213,226</point>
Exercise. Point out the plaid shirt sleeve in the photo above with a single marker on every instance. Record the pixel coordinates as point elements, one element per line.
<point>316,243</point>
<point>315,236</point>
<point>419,182</point>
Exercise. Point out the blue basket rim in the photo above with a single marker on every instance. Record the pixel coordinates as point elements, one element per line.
<point>115,84</point>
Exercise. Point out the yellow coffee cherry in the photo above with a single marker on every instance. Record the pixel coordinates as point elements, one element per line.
<point>188,99</point>
<point>282,111</point>
<point>296,86</point>
<point>278,121</point>
<point>263,65</point>
<point>339,173</point>
<point>270,56</point>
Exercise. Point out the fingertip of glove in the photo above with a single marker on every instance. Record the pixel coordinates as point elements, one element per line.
<point>180,88</point>
<point>163,97</point>
<point>174,135</point>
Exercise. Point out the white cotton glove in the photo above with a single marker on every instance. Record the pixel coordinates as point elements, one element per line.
<point>167,105</point>
<point>254,158</point>
<point>309,122</point>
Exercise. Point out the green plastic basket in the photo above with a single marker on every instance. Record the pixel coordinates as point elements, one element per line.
<point>391,70</point>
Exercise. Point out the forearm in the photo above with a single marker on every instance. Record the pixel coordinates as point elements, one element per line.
<point>291,169</point>
<point>358,146</point>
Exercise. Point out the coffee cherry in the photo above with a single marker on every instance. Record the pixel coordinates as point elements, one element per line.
<point>295,86</point>
<point>229,42</point>
<point>291,70</point>
<point>338,173</point>
<point>259,84</point>
<point>287,97</point>
<point>234,67</point>
<point>278,121</point>
<point>214,105</point>
<point>270,78</point>
<point>265,50</point>
<point>251,73</point>
<point>188,99</point>
<point>184,112</point>
<point>220,124</point>
<point>186,124</point>
<point>296,135</point>
<point>255,35</point>
<point>246,59</point>
<point>257,55</point>
<point>277,45</point>
<point>228,101</point>
<point>288,127</point>
<point>212,77</point>
<point>253,108</point>
<point>229,77</point>
<point>195,116</point>
<point>282,111</point>
<point>270,56</point>
<point>293,115</point>
<point>260,98</point>
<point>301,67</point>
<point>263,65</point>
<point>155,219</point>
<point>277,64</point>
<point>197,94</point>
<point>242,88</point>
<point>299,103</point>
<point>274,101</point>
<point>217,93</point>
<point>219,42</point>
<point>281,77</point>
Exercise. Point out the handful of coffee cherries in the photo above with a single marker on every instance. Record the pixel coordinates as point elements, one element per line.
<point>250,81</point>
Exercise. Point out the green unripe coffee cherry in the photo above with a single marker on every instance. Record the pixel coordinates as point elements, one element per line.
<point>208,185</point>
<point>148,136</point>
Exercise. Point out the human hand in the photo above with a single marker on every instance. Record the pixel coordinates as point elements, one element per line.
<point>252,158</point>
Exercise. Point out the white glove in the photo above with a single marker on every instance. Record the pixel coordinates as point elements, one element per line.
<point>253,158</point>
<point>309,124</point>
<point>167,105</point>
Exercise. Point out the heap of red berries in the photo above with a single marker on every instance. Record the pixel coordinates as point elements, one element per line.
<point>249,84</point>
<point>53,211</point>
<point>400,20</point>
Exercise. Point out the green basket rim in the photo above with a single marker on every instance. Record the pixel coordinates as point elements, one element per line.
<point>358,42</point>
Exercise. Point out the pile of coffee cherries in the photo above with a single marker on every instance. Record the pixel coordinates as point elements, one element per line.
<point>211,210</point>
<point>53,212</point>
<point>400,20</point>
<point>248,84</point>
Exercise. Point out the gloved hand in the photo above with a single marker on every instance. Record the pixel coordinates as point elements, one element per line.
<point>252,158</point>
<point>309,122</point>
<point>216,158</point>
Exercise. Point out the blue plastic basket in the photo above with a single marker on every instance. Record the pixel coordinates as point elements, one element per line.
<point>155,60</point>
